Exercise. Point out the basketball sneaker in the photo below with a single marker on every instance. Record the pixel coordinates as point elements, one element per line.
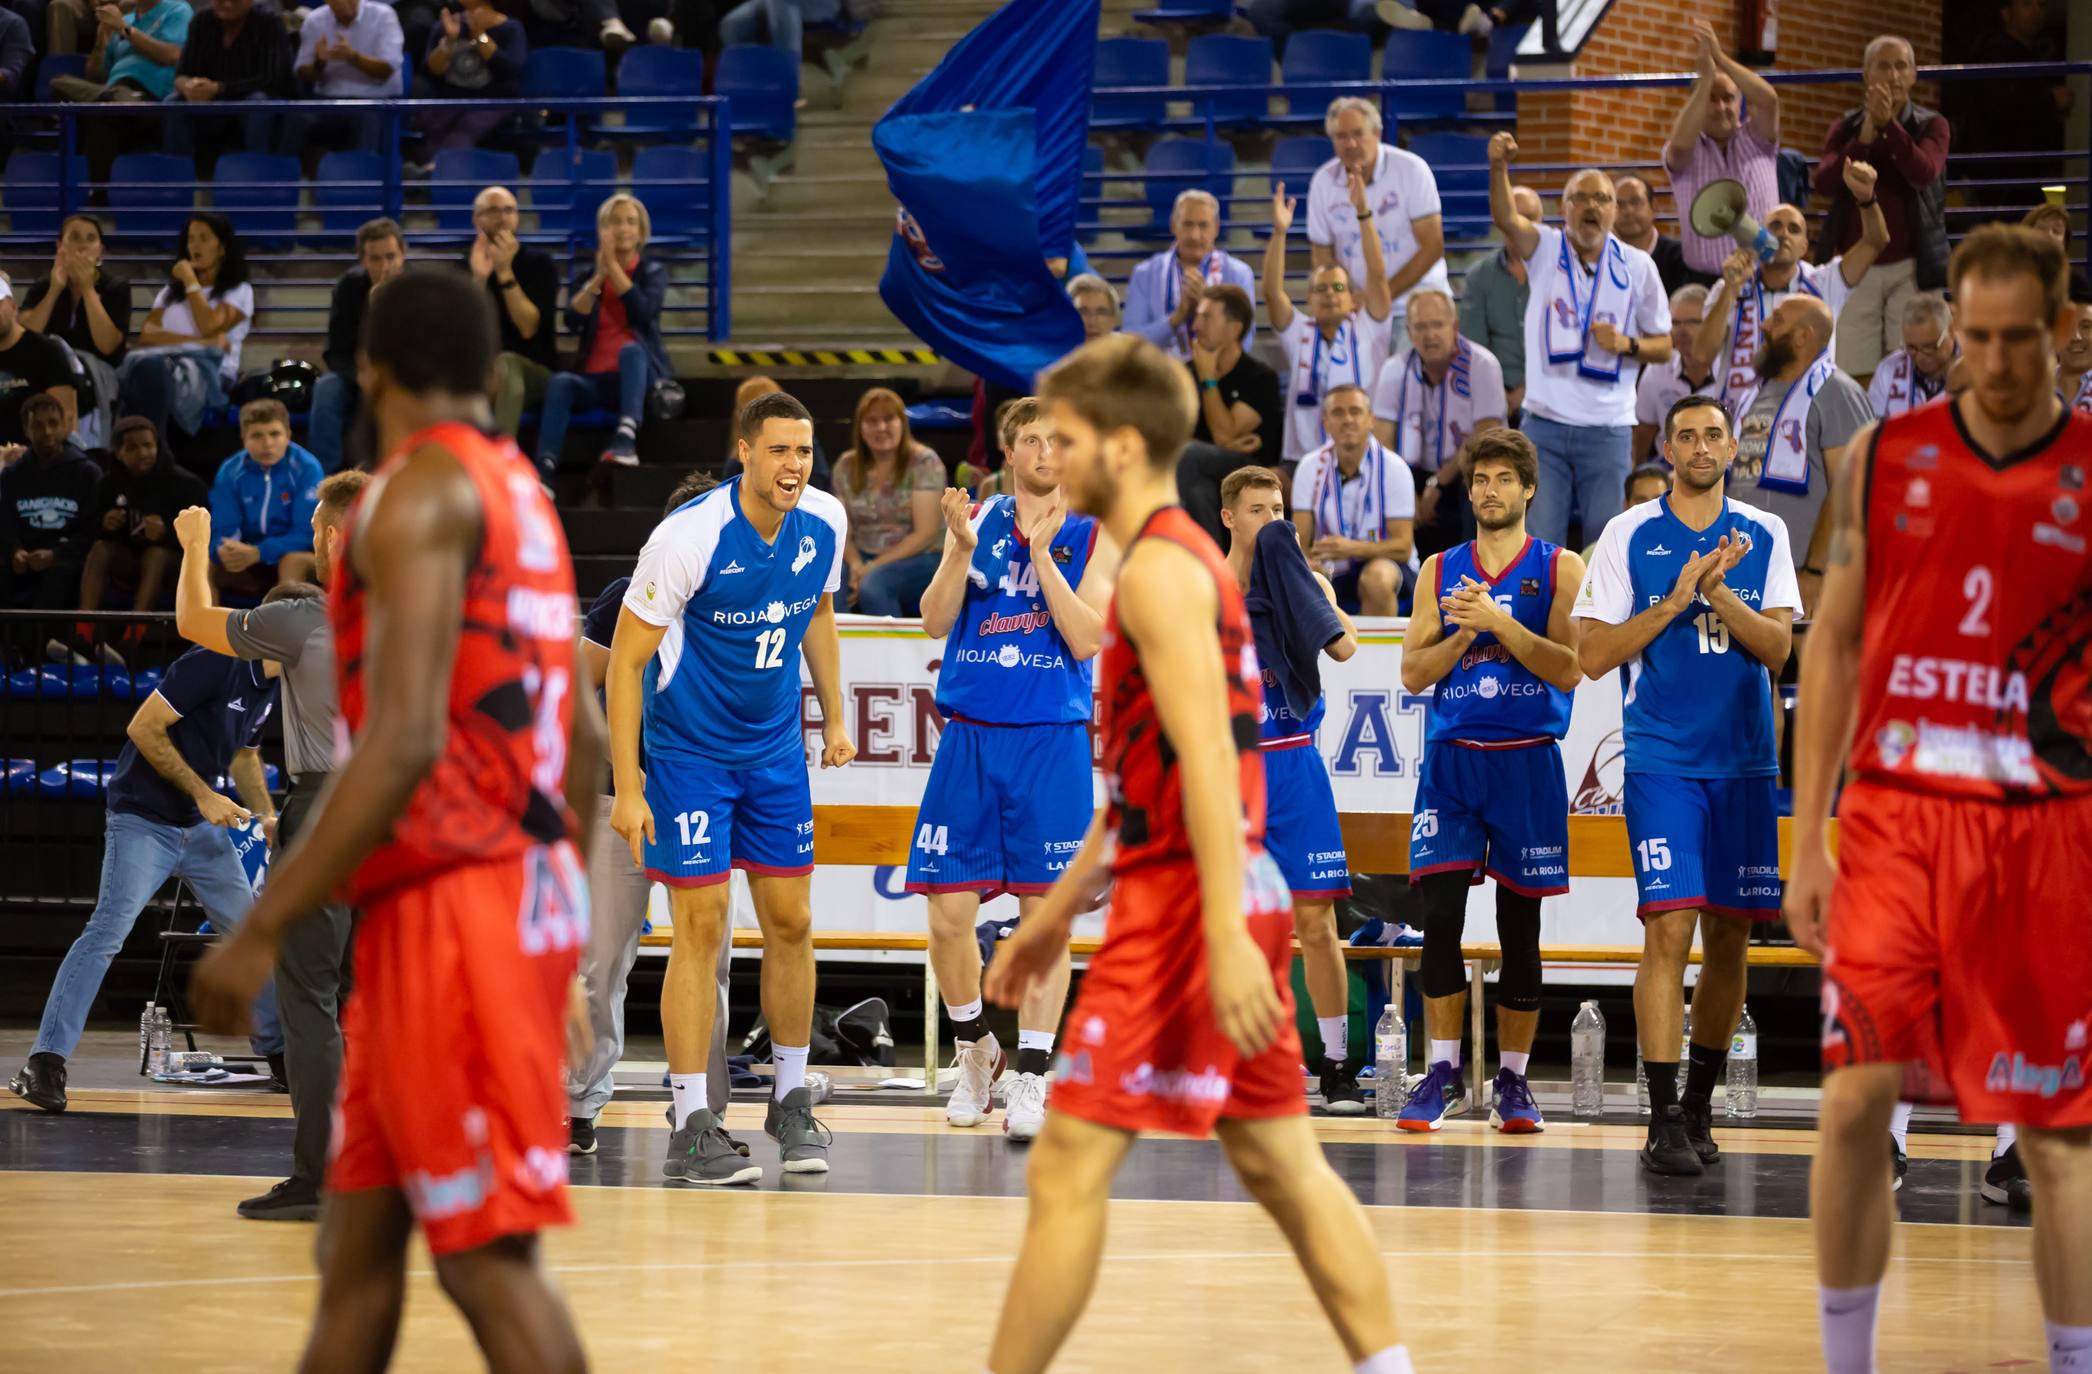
<point>41,1082</point>
<point>980,1063</point>
<point>1441,1094</point>
<point>701,1154</point>
<point>1340,1093</point>
<point>291,1200</point>
<point>2005,1182</point>
<point>1668,1150</point>
<point>1515,1112</point>
<point>1699,1129</point>
<point>581,1135</point>
<point>1902,1163</point>
<point>1024,1107</point>
<point>802,1142</point>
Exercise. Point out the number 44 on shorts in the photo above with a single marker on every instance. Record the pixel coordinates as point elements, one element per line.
<point>933,839</point>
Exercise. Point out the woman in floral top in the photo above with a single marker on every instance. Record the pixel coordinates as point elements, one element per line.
<point>890,485</point>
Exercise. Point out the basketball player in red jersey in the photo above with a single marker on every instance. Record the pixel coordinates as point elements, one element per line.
<point>1953,649</point>
<point>448,825</point>
<point>1184,1023</point>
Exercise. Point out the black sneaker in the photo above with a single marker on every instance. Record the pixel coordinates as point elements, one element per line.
<point>802,1142</point>
<point>581,1135</point>
<point>701,1154</point>
<point>1699,1130</point>
<point>1340,1094</point>
<point>279,1075</point>
<point>41,1082</point>
<point>291,1200</point>
<point>1670,1150</point>
<point>2005,1182</point>
<point>1902,1164</point>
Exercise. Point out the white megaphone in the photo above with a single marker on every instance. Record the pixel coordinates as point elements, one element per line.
<point>1722,210</point>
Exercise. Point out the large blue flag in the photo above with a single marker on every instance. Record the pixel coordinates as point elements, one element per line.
<point>985,157</point>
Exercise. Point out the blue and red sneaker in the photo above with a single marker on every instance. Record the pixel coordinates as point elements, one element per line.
<point>1515,1112</point>
<point>1440,1094</point>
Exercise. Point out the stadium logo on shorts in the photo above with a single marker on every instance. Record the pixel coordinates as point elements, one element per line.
<point>807,550</point>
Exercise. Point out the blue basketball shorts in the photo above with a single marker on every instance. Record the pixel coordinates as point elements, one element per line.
<point>708,819</point>
<point>1300,824</point>
<point>1496,812</point>
<point>1708,843</point>
<point>1004,810</point>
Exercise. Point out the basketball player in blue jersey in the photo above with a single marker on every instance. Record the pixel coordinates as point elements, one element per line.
<point>1300,808</point>
<point>704,668</point>
<point>1019,600</point>
<point>1697,595</point>
<point>1494,639</point>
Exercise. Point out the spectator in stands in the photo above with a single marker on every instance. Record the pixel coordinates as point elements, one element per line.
<point>2052,220</point>
<point>134,543</point>
<point>1746,296</point>
<point>890,486</point>
<point>750,389</point>
<point>1428,403</point>
<point>1279,20</point>
<point>1355,507</point>
<point>1649,482</point>
<point>47,492</point>
<point>1097,301</point>
<point>1907,144</point>
<point>2019,114</point>
<point>1165,289</point>
<point>131,58</point>
<point>1341,337</point>
<point>779,23</point>
<point>347,50</point>
<point>87,306</point>
<point>1636,226</point>
<point>1242,417</point>
<point>230,54</point>
<point>30,365</point>
<point>1663,384</point>
<point>188,351</point>
<point>1398,205</point>
<point>381,255</point>
<point>525,285</point>
<point>1728,130</point>
<point>476,54</point>
<point>1791,432</point>
<point>261,505</point>
<point>614,306</point>
<point>1492,311</point>
<point>2074,359</point>
<point>17,56</point>
<point>1597,315</point>
<point>1917,372</point>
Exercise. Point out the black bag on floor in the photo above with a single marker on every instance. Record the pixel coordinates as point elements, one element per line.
<point>857,1036</point>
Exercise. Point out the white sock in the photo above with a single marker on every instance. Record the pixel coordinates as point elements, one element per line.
<point>1899,1126</point>
<point>2007,1137</point>
<point>1514,1062</point>
<point>2069,1349</point>
<point>689,1092</point>
<point>1446,1052</point>
<point>971,1011</point>
<point>1393,1360</point>
<point>1847,1316</point>
<point>790,1062</point>
<point>1334,1037</point>
<point>1034,1040</point>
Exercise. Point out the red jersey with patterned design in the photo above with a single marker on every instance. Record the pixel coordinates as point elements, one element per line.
<point>1976,660</point>
<point>500,787</point>
<point>1145,789</point>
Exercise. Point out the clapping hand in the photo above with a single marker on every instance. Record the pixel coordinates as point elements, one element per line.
<point>1471,606</point>
<point>1880,110</point>
<point>1707,47</point>
<point>452,25</point>
<point>957,509</point>
<point>1355,188</point>
<point>1040,536</point>
<point>1724,556</point>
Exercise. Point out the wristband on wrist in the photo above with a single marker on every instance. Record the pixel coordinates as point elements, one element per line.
<point>1210,383</point>
<point>1864,204</point>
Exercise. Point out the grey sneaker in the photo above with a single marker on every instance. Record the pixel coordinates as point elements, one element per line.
<point>701,1154</point>
<point>802,1142</point>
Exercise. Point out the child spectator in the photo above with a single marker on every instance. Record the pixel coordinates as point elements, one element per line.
<point>262,504</point>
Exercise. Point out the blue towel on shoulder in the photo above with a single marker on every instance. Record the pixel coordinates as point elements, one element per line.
<point>1290,618</point>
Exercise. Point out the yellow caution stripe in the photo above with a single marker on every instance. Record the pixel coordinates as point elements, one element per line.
<point>821,357</point>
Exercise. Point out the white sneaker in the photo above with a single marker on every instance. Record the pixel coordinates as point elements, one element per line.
<point>1024,1107</point>
<point>614,36</point>
<point>979,1064</point>
<point>660,32</point>
<point>1396,15</point>
<point>1475,23</point>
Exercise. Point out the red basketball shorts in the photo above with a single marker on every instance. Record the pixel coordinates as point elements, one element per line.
<point>1142,1051</point>
<point>452,1086</point>
<point>1961,944</point>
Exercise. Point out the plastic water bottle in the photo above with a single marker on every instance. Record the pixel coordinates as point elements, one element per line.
<point>156,1047</point>
<point>1741,1101</point>
<point>1587,1063</point>
<point>1684,1050</point>
<point>1390,1062</point>
<point>145,1034</point>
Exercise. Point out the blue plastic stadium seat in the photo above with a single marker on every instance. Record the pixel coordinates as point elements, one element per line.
<point>76,780</point>
<point>349,189</point>
<point>1130,62</point>
<point>30,192</point>
<point>1176,165</point>
<point>1295,162</point>
<point>1320,56</point>
<point>565,73</point>
<point>1503,51</point>
<point>1187,12</point>
<point>675,186</point>
<point>1430,55</point>
<point>151,193</point>
<point>1234,60</point>
<point>145,682</point>
<point>761,85</point>
<point>657,71</point>
<point>56,65</point>
<point>1091,197</point>
<point>258,193</point>
<point>565,192</point>
<point>460,174</point>
<point>1460,163</point>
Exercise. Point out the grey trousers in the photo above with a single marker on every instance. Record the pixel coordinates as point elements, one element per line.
<point>617,898</point>
<point>311,968</point>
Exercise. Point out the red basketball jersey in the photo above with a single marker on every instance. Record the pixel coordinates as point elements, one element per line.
<point>1978,643</point>
<point>500,786</point>
<point>1147,805</point>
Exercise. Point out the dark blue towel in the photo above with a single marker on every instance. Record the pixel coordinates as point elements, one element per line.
<point>1290,617</point>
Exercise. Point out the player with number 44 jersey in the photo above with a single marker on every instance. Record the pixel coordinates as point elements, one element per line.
<point>1696,594</point>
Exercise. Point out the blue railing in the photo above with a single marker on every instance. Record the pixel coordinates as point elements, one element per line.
<point>693,213</point>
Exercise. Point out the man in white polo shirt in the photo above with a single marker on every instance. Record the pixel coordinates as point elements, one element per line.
<point>1595,315</point>
<point>1341,338</point>
<point>1403,197</point>
<point>1165,290</point>
<point>1428,403</point>
<point>347,50</point>
<point>1354,505</point>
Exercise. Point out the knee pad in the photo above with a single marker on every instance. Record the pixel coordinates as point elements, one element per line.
<point>1518,931</point>
<point>1444,901</point>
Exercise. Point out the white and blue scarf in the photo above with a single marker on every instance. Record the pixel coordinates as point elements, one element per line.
<point>1428,452</point>
<point>1786,465</point>
<point>1570,314</point>
<point>1329,497</point>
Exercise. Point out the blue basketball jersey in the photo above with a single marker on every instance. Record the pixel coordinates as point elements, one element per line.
<point>724,685</point>
<point>1279,720</point>
<point>1698,705</point>
<point>1490,696</point>
<point>1005,662</point>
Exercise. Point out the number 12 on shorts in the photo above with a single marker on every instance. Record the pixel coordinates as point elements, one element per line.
<point>695,827</point>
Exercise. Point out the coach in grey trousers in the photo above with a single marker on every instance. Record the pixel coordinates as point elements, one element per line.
<point>313,964</point>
